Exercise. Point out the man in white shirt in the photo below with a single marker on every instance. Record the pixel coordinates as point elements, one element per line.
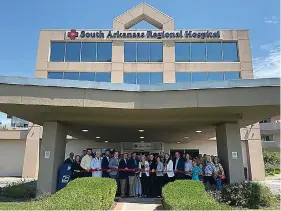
<point>96,165</point>
<point>188,167</point>
<point>86,163</point>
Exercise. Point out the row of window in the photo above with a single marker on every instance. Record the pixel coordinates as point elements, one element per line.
<point>146,77</point>
<point>143,52</point>
<point>267,138</point>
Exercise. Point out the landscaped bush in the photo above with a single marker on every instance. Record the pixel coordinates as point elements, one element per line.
<point>80,194</point>
<point>271,159</point>
<point>251,195</point>
<point>22,189</point>
<point>189,195</point>
<point>270,171</point>
<point>277,171</point>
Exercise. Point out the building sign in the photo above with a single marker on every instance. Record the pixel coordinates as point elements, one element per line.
<point>234,155</point>
<point>109,34</point>
<point>142,146</point>
<point>47,154</point>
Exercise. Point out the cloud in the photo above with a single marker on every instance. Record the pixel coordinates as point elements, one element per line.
<point>268,66</point>
<point>271,20</point>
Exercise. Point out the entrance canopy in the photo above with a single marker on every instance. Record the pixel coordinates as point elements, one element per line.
<point>116,112</point>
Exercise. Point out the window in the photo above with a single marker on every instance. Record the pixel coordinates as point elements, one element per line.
<point>57,52</point>
<point>215,76</point>
<point>268,120</point>
<point>231,75</point>
<point>199,76</point>
<point>182,52</point>
<point>55,75</point>
<point>103,77</point>
<point>214,52</point>
<point>143,52</point>
<point>198,52</point>
<point>156,52</point>
<point>142,78</point>
<point>72,52</point>
<point>88,52</point>
<point>156,78</point>
<point>267,138</point>
<point>182,77</point>
<point>130,78</point>
<point>71,75</point>
<point>130,52</point>
<point>104,51</point>
<point>230,53</point>
<point>87,76</point>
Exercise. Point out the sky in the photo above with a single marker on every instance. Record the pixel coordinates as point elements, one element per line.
<point>21,22</point>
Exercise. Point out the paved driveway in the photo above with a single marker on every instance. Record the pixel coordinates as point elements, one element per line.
<point>274,183</point>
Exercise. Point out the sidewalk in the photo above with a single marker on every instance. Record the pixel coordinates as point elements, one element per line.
<point>4,181</point>
<point>138,204</point>
<point>274,183</point>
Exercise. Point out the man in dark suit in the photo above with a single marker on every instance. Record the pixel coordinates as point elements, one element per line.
<point>70,160</point>
<point>132,164</point>
<point>123,175</point>
<point>104,164</point>
<point>179,166</point>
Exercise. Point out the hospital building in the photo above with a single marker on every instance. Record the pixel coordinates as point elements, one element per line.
<point>158,90</point>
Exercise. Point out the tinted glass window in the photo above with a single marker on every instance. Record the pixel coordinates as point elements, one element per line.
<point>130,78</point>
<point>214,52</point>
<point>87,76</point>
<point>231,75</point>
<point>218,76</point>
<point>198,52</point>
<point>156,52</point>
<point>88,52</point>
<point>143,52</point>
<point>130,52</point>
<point>71,75</point>
<point>55,75</point>
<point>182,77</point>
<point>230,53</point>
<point>72,53</point>
<point>199,77</point>
<point>104,52</point>
<point>182,52</point>
<point>142,78</point>
<point>103,77</point>
<point>156,78</point>
<point>57,52</point>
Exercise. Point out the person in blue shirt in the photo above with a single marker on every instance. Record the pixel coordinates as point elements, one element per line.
<point>196,171</point>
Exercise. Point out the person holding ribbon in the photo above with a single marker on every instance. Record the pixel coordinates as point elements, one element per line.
<point>96,165</point>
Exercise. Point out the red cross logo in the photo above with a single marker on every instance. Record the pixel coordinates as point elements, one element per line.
<point>72,34</point>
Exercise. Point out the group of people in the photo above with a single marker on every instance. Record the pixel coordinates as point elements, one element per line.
<point>144,176</point>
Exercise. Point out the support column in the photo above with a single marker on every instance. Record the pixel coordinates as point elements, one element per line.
<point>229,145</point>
<point>52,154</point>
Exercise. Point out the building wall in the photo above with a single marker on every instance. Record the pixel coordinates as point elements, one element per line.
<point>117,67</point>
<point>12,156</point>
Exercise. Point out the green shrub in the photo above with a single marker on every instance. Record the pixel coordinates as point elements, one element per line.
<point>22,189</point>
<point>189,195</point>
<point>277,171</point>
<point>270,171</point>
<point>271,158</point>
<point>251,195</point>
<point>80,194</point>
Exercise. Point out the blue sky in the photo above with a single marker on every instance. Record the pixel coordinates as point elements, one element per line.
<point>21,22</point>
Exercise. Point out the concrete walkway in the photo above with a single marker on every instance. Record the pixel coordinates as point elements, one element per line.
<point>4,181</point>
<point>274,183</point>
<point>138,204</point>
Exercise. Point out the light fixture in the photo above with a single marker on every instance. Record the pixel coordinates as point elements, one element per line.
<point>141,130</point>
<point>106,141</point>
<point>142,137</point>
<point>178,142</point>
<point>198,131</point>
<point>85,130</point>
<point>185,137</point>
<point>97,137</point>
<point>142,141</point>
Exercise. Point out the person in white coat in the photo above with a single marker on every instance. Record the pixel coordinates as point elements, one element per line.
<point>96,165</point>
<point>144,175</point>
<point>168,168</point>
